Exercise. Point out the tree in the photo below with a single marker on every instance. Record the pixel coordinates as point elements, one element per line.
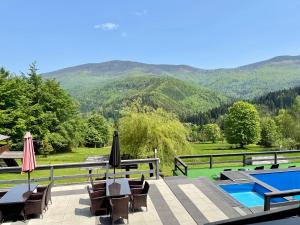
<point>288,122</point>
<point>46,147</point>
<point>142,129</point>
<point>242,124</point>
<point>212,132</point>
<point>194,132</point>
<point>30,103</point>
<point>269,134</point>
<point>97,132</point>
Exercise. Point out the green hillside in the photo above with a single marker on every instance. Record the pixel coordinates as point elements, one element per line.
<point>243,82</point>
<point>165,92</point>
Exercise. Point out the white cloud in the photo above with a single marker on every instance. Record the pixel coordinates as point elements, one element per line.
<point>107,26</point>
<point>141,13</point>
<point>124,34</point>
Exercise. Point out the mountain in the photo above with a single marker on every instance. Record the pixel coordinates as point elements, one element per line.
<point>245,82</point>
<point>171,94</point>
<point>276,100</point>
<point>97,74</point>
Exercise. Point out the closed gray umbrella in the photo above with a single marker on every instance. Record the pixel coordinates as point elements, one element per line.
<point>114,158</point>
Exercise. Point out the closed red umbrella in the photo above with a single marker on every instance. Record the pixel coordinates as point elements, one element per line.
<point>29,162</point>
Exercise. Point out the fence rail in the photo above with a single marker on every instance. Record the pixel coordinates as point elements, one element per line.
<point>86,165</point>
<point>280,194</point>
<point>181,163</point>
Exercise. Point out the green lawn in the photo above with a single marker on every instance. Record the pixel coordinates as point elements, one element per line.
<point>214,172</point>
<point>80,154</point>
<point>195,171</point>
<point>210,148</point>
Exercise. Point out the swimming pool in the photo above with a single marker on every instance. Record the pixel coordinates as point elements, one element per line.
<point>248,194</point>
<point>282,181</point>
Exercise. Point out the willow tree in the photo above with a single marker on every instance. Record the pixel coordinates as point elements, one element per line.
<point>143,129</point>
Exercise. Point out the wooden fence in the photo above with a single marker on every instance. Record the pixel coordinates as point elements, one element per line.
<point>87,166</point>
<point>182,163</point>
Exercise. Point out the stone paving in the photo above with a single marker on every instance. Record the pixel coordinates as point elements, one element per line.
<point>71,206</point>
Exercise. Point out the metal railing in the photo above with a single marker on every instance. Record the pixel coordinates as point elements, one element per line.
<point>280,194</point>
<point>86,165</point>
<point>182,161</point>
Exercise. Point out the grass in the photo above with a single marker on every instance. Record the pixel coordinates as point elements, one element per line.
<point>80,154</point>
<point>195,171</point>
<point>212,173</point>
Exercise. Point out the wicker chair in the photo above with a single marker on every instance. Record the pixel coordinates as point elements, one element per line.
<point>98,200</point>
<point>98,185</point>
<point>139,197</point>
<point>41,190</point>
<point>48,196</point>
<point>137,183</point>
<point>47,188</point>
<point>119,208</point>
<point>12,211</point>
<point>35,204</point>
<point>259,168</point>
<point>274,166</point>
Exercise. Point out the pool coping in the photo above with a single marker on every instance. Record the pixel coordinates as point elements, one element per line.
<point>252,179</point>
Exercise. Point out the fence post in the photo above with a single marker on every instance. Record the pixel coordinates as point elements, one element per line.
<point>51,173</point>
<point>175,163</point>
<point>210,161</point>
<point>157,168</point>
<point>186,170</point>
<point>244,160</point>
<point>275,157</point>
<point>107,168</point>
<point>267,205</point>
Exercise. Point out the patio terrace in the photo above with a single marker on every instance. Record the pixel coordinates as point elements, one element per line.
<point>174,200</point>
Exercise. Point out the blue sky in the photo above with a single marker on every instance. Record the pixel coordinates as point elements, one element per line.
<point>205,34</point>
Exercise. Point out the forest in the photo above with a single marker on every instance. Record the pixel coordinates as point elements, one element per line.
<point>42,106</point>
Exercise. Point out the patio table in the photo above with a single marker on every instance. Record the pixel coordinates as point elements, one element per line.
<point>12,203</point>
<point>18,194</point>
<point>117,187</point>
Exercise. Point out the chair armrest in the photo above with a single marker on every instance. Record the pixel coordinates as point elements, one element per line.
<point>96,198</point>
<point>135,182</point>
<point>140,195</point>
<point>33,201</point>
<point>41,189</point>
<point>35,196</point>
<point>135,191</point>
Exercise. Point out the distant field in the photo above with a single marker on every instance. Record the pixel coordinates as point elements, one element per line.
<point>209,148</point>
<point>80,154</point>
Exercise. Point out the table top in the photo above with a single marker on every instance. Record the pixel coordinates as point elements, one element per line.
<point>117,187</point>
<point>18,194</point>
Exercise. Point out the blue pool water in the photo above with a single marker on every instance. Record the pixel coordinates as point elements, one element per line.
<point>281,180</point>
<point>249,194</point>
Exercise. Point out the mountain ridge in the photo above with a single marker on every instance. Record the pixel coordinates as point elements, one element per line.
<point>244,82</point>
<point>136,63</point>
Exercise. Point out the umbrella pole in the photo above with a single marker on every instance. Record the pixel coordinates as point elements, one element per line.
<point>28,181</point>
